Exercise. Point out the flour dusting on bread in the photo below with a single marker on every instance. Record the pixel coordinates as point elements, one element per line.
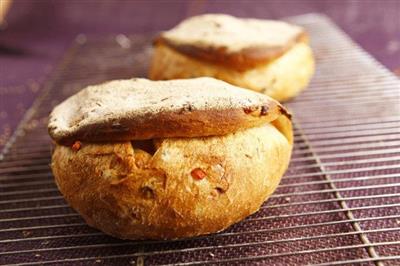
<point>231,33</point>
<point>141,109</point>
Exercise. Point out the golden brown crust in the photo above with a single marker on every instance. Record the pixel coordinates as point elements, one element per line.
<point>236,43</point>
<point>281,79</point>
<point>138,109</point>
<point>188,187</point>
<point>242,60</point>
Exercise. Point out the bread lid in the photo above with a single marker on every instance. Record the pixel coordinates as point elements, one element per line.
<point>137,109</point>
<point>236,42</point>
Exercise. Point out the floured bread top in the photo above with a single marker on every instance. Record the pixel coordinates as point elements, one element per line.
<point>144,109</point>
<point>231,33</point>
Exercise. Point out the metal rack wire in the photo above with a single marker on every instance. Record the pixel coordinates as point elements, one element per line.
<point>338,204</point>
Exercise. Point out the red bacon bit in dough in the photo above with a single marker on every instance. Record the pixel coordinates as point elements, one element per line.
<point>198,174</point>
<point>76,146</point>
<point>248,110</point>
<point>264,110</point>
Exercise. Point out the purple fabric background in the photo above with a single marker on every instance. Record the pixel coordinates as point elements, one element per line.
<point>39,31</point>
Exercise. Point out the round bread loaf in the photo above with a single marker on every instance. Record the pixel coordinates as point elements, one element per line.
<point>272,57</point>
<point>168,187</point>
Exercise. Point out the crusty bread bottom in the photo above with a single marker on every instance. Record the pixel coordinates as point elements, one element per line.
<point>281,79</point>
<point>175,187</point>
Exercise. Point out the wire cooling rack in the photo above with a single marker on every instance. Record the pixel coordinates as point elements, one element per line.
<point>338,204</point>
